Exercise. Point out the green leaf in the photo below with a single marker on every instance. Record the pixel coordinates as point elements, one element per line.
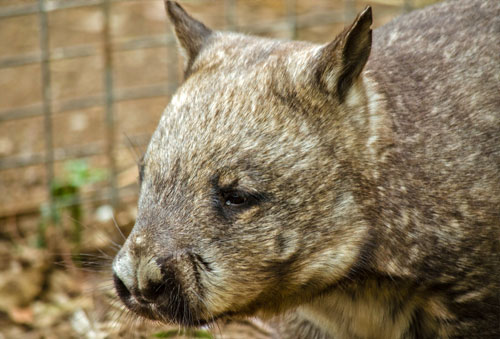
<point>186,333</point>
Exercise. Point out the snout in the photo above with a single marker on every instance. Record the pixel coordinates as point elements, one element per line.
<point>155,288</point>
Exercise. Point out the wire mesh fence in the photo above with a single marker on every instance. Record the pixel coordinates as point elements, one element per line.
<point>292,19</point>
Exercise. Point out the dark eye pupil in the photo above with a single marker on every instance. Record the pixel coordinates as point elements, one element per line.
<point>234,199</point>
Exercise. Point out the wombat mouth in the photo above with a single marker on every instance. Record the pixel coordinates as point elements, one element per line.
<point>174,310</point>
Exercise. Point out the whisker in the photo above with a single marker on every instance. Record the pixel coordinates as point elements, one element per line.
<point>118,228</point>
<point>132,148</point>
<point>115,246</point>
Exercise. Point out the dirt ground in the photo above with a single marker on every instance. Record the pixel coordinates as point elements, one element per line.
<point>51,293</point>
<point>55,277</point>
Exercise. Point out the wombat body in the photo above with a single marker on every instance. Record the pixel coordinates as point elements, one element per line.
<point>349,190</point>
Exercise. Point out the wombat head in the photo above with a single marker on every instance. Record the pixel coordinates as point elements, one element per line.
<point>245,202</point>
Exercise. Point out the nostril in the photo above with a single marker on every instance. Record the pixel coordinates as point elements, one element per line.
<point>163,285</point>
<point>120,287</point>
<point>154,291</point>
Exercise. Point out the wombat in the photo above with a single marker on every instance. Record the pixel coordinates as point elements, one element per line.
<point>344,190</point>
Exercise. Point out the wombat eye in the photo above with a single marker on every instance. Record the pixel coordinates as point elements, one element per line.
<point>234,198</point>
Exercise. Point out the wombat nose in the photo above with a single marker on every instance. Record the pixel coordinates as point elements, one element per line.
<point>149,293</point>
<point>155,281</point>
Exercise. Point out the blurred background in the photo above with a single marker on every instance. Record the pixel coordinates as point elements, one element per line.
<point>82,86</point>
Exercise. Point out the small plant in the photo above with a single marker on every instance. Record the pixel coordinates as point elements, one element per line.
<point>66,194</point>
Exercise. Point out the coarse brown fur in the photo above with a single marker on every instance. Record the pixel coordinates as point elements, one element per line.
<point>349,190</point>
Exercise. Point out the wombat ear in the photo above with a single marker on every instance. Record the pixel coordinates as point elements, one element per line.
<point>343,59</point>
<point>190,33</point>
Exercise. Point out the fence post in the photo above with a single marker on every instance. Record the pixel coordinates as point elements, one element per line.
<point>109,100</point>
<point>47,100</point>
<point>291,17</point>
<point>407,6</point>
<point>349,11</point>
<point>230,14</point>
